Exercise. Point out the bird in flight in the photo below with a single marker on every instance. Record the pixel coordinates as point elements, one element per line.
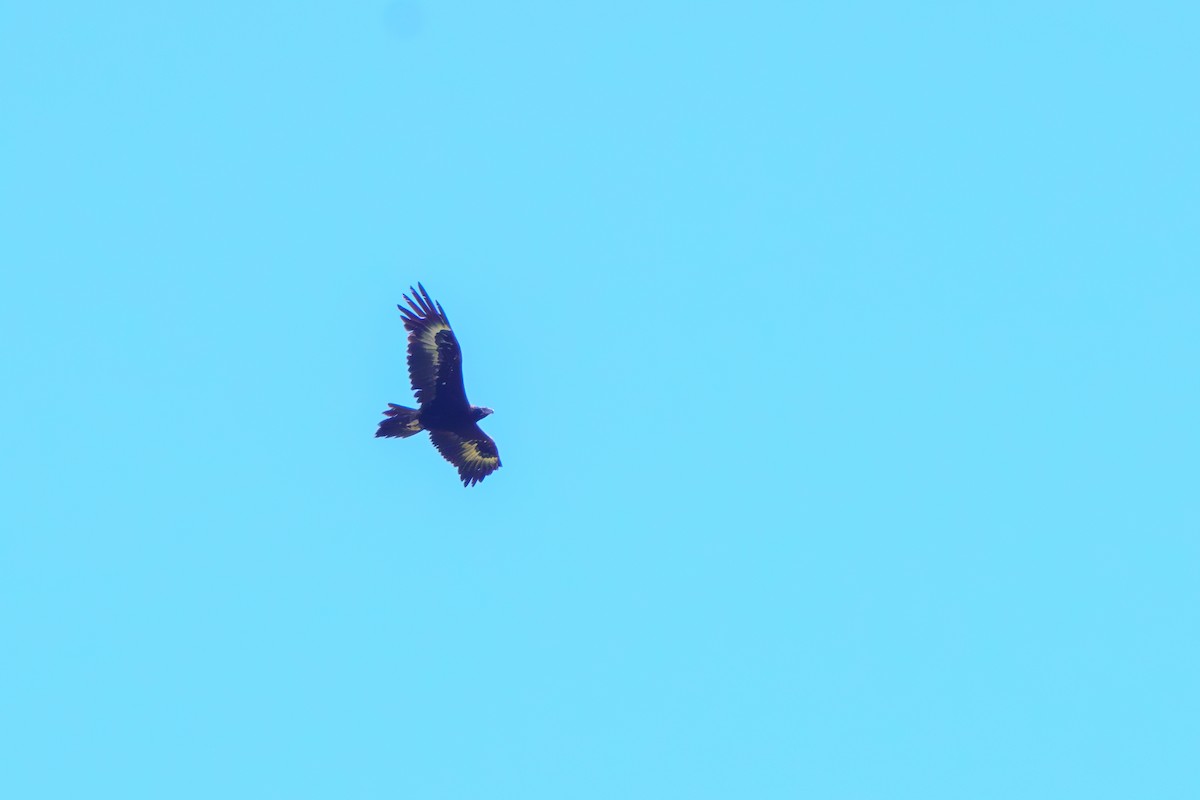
<point>435,367</point>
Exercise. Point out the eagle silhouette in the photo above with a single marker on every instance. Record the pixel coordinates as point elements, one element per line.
<point>435,367</point>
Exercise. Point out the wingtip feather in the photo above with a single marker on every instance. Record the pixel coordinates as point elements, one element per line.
<point>429,304</point>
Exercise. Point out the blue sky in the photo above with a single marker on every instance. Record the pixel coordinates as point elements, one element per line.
<point>844,365</point>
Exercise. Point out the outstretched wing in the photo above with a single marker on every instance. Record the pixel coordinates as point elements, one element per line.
<point>474,454</point>
<point>434,357</point>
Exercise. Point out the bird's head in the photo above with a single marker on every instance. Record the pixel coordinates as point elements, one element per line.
<point>483,411</point>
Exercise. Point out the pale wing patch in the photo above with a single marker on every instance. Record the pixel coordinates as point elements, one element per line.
<point>428,338</point>
<point>424,367</point>
<point>474,455</point>
<point>475,458</point>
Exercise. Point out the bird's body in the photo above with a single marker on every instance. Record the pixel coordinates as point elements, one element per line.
<point>435,367</point>
<point>441,416</point>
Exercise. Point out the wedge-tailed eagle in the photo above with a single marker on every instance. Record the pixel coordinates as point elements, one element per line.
<point>435,366</point>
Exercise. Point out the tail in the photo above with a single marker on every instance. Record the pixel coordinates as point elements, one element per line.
<point>401,423</point>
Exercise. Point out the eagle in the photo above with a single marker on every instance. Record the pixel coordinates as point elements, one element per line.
<point>435,367</point>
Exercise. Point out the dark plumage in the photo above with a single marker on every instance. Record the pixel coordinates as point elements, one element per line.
<point>435,366</point>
